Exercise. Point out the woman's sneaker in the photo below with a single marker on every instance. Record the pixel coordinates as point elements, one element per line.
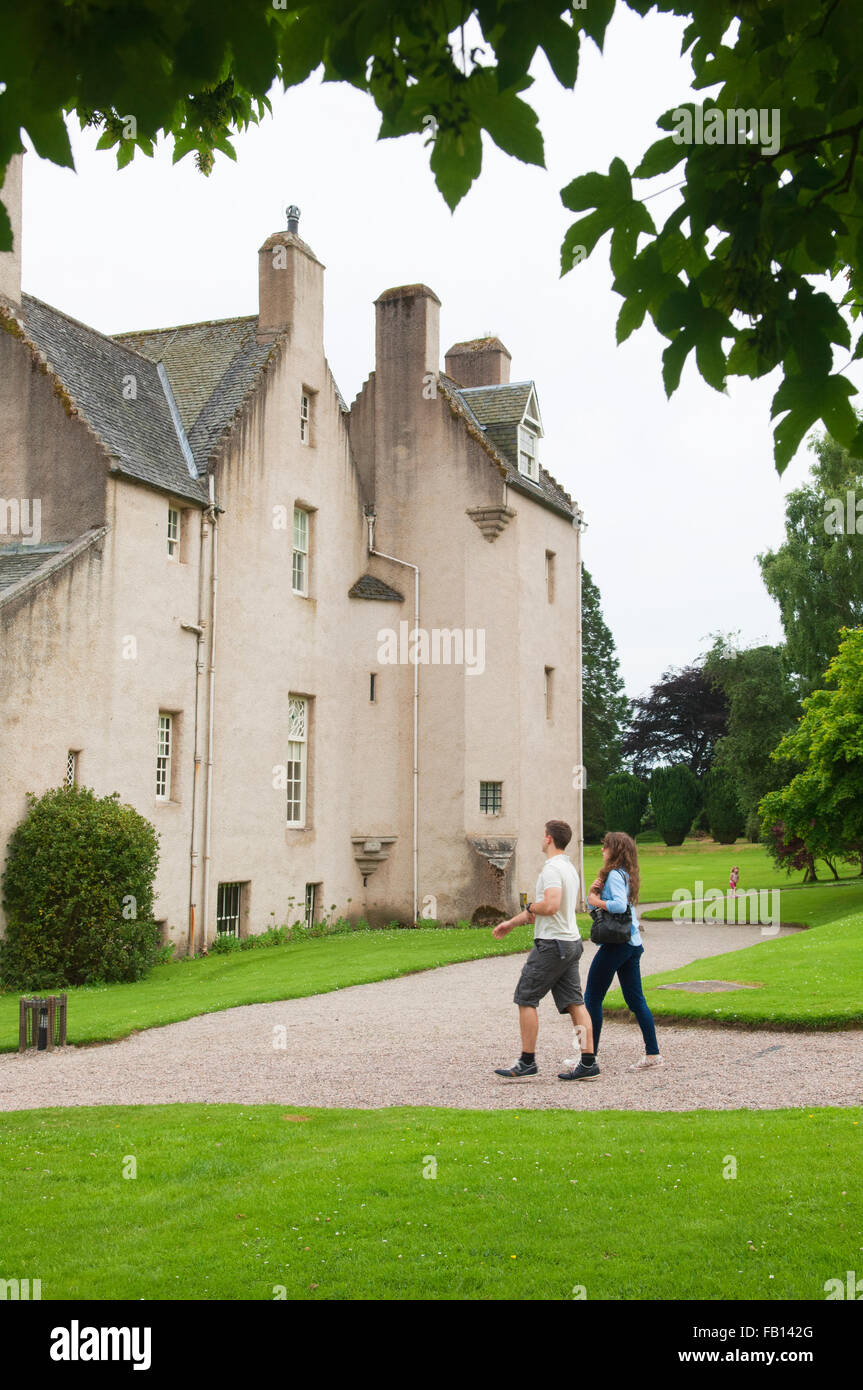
<point>645,1063</point>
<point>518,1071</point>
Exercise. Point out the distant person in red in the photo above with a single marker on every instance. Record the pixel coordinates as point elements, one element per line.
<point>733,880</point>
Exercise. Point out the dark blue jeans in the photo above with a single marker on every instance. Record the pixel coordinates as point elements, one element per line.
<point>624,962</point>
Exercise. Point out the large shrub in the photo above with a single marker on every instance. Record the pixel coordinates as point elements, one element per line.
<point>623,803</point>
<point>676,797</point>
<point>725,819</point>
<point>78,893</point>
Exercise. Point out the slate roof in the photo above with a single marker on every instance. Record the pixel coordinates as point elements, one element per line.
<point>94,370</point>
<point>496,412</point>
<point>19,561</point>
<point>212,367</point>
<point>368,586</point>
<point>24,565</point>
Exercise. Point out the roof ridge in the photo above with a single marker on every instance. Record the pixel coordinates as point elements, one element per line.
<point>175,328</point>
<point>79,323</point>
<point>498,385</point>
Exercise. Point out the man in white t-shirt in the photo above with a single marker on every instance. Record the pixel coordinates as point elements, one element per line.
<point>553,962</point>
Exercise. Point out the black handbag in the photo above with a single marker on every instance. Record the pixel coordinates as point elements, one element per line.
<point>612,928</point>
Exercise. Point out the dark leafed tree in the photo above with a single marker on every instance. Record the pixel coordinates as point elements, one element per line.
<point>816,574</point>
<point>751,260</point>
<point>679,721</point>
<point>605,708</point>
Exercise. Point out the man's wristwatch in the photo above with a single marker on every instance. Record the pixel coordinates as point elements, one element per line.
<point>527,909</point>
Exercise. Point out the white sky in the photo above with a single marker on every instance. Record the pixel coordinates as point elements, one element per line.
<point>679,496</point>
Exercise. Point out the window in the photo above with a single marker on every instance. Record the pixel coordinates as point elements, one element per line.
<point>549,674</point>
<point>305,418</point>
<point>300,575</point>
<point>228,909</point>
<point>373,694</point>
<point>527,452</point>
<point>312,898</point>
<point>490,797</point>
<point>71,776</point>
<point>298,744</point>
<point>173,533</point>
<point>549,575</point>
<point>163,757</point>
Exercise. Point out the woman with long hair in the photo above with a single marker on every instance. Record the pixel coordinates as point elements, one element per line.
<point>617,886</point>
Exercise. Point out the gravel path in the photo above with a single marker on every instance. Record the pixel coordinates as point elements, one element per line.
<point>434,1038</point>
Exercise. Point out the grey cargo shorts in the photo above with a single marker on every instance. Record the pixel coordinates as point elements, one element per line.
<point>551,965</point>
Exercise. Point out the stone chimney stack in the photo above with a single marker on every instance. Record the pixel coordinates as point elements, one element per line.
<point>10,261</point>
<point>407,339</point>
<point>482,362</point>
<point>290,288</point>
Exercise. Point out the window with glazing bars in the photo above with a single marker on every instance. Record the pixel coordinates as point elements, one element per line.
<point>305,418</point>
<point>173,532</point>
<point>300,576</point>
<point>298,743</point>
<point>490,797</point>
<point>71,776</point>
<point>228,908</point>
<point>311,901</point>
<point>163,758</point>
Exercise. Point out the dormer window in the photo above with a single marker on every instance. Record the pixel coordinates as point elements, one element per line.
<point>528,462</point>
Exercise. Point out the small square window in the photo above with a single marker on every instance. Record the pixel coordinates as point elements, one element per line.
<point>490,798</point>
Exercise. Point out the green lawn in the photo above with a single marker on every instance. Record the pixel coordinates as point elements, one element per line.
<point>98,1013</point>
<point>807,906</point>
<point>665,869</point>
<point>813,979</point>
<point>231,1202</point>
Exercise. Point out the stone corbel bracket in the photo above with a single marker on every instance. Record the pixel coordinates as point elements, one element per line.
<point>370,851</point>
<point>498,852</point>
<point>491,520</point>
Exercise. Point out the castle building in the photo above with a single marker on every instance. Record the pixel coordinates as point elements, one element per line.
<point>330,652</point>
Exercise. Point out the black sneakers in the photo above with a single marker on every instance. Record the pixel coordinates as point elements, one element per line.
<point>518,1071</point>
<point>580,1073</point>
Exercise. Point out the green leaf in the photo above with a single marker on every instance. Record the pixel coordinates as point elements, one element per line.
<point>806,400</point>
<point>456,161</point>
<point>662,156</point>
<point>511,123</point>
<point>47,130</point>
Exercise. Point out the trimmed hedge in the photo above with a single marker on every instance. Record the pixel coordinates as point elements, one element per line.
<point>78,893</point>
<point>624,800</point>
<point>676,798</point>
<point>725,819</point>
